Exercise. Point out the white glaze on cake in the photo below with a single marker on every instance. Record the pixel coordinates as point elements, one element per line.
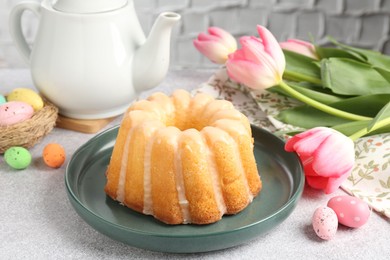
<point>185,126</point>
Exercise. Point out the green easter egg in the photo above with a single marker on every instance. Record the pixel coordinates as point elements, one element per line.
<point>2,99</point>
<point>17,157</point>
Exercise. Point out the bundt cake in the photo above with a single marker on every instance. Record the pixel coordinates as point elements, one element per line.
<point>183,159</point>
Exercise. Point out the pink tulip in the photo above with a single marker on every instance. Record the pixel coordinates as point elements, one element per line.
<point>260,63</point>
<point>301,47</point>
<point>216,45</point>
<point>327,157</point>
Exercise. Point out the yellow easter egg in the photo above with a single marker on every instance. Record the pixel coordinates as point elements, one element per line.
<point>26,95</point>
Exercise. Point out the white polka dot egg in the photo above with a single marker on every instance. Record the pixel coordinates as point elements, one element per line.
<point>351,211</point>
<point>325,222</point>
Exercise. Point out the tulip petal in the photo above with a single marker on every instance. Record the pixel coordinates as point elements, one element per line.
<point>207,37</point>
<point>334,183</point>
<point>328,185</point>
<point>214,51</point>
<point>251,53</point>
<point>254,64</point>
<point>250,74</point>
<point>308,167</point>
<point>327,157</point>
<point>310,131</point>
<point>252,47</point>
<point>307,143</point>
<point>272,47</point>
<point>335,156</point>
<point>228,39</point>
<point>301,47</point>
<point>317,182</point>
<point>301,43</point>
<point>254,51</point>
<point>216,45</point>
<point>289,147</point>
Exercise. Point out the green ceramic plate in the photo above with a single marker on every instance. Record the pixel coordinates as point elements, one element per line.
<point>280,171</point>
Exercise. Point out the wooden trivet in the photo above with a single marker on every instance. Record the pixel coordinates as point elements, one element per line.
<point>89,126</point>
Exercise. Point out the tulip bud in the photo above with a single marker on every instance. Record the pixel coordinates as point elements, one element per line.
<point>216,45</point>
<point>260,63</point>
<point>301,47</point>
<point>327,157</point>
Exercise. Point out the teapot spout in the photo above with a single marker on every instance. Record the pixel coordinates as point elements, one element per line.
<point>151,60</point>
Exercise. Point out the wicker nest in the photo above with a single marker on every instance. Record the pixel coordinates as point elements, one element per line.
<point>30,131</point>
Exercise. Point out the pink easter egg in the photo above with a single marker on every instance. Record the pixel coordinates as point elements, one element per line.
<point>351,211</point>
<point>15,112</point>
<point>325,223</point>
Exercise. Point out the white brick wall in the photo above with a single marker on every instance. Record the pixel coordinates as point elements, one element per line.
<point>363,23</point>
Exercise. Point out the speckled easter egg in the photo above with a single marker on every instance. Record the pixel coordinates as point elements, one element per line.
<point>2,99</point>
<point>351,211</point>
<point>17,157</point>
<point>325,223</point>
<point>53,155</point>
<point>15,112</point>
<point>26,95</point>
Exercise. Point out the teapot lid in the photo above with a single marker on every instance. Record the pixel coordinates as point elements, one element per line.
<point>88,6</point>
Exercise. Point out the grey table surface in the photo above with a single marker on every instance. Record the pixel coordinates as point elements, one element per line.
<point>37,220</point>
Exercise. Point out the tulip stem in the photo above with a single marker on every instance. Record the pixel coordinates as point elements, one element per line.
<point>364,131</point>
<point>294,76</point>
<point>320,106</point>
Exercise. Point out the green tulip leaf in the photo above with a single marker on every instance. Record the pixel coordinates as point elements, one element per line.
<point>374,58</point>
<point>326,52</point>
<point>368,105</point>
<point>353,127</point>
<point>379,60</point>
<point>385,73</point>
<point>312,91</point>
<point>350,77</point>
<point>308,117</point>
<point>383,114</point>
<point>301,68</point>
<point>350,128</point>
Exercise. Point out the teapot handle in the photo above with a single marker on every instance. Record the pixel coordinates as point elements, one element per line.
<point>15,23</point>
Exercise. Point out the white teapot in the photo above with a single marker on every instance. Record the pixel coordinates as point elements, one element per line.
<point>90,57</point>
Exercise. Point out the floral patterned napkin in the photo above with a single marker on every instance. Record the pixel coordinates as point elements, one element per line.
<point>370,178</point>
